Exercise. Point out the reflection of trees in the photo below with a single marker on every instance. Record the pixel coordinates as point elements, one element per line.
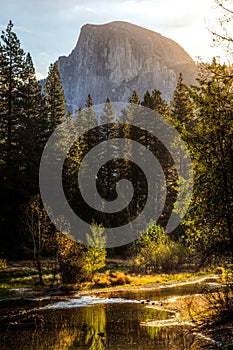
<point>90,333</point>
<point>59,337</point>
<point>86,328</point>
<point>94,327</point>
<point>178,337</point>
<point>81,328</point>
<point>66,338</point>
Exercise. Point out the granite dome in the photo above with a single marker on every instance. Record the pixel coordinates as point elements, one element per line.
<point>113,59</point>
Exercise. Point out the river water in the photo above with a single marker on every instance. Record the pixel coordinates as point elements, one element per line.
<point>115,321</point>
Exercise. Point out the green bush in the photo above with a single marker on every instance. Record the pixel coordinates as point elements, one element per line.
<point>95,254</point>
<point>156,252</point>
<point>78,263</point>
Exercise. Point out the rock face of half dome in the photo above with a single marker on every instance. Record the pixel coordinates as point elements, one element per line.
<point>113,59</point>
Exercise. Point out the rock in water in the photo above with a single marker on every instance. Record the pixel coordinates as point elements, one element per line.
<point>113,59</point>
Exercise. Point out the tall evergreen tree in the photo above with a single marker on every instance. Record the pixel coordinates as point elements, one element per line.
<point>146,102</point>
<point>134,98</point>
<point>12,67</point>
<point>155,101</point>
<point>89,102</point>
<point>53,94</point>
<point>182,111</point>
<point>86,120</point>
<point>107,132</point>
<point>158,103</point>
<point>11,80</point>
<point>33,129</point>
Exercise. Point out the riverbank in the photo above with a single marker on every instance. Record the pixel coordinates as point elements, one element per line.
<point>22,274</point>
<point>185,310</point>
<point>12,286</point>
<point>188,310</point>
<point>20,283</point>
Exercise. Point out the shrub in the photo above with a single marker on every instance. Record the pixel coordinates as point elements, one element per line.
<point>219,302</point>
<point>95,253</point>
<point>156,252</point>
<point>78,263</point>
<point>112,279</point>
<point>70,258</point>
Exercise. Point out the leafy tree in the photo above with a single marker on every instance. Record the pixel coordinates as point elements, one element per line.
<point>78,263</point>
<point>95,254</point>
<point>156,252</point>
<point>70,259</point>
<point>37,224</point>
<point>222,34</point>
<point>210,216</point>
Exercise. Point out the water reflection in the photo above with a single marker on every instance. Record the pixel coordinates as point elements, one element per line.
<point>178,337</point>
<point>94,328</point>
<point>102,326</point>
<point>99,324</point>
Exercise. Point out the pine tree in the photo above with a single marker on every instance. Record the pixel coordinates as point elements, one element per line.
<point>12,67</point>
<point>182,111</point>
<point>33,129</point>
<point>86,122</point>
<point>11,80</point>
<point>155,101</point>
<point>158,103</point>
<point>107,132</point>
<point>53,94</point>
<point>146,102</point>
<point>134,98</point>
<point>89,102</point>
<point>106,119</point>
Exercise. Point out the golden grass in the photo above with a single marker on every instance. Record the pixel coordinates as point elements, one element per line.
<point>126,280</point>
<point>112,279</point>
<point>143,280</point>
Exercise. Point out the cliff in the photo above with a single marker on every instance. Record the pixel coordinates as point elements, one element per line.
<point>113,59</point>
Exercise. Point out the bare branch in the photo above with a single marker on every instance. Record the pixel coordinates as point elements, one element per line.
<point>222,34</point>
<point>220,4</point>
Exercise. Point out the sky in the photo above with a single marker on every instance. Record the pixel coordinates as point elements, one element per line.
<point>50,28</point>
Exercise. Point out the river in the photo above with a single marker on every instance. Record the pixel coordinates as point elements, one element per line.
<point>118,320</point>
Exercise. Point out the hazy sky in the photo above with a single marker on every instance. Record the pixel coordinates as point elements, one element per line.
<point>50,28</point>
